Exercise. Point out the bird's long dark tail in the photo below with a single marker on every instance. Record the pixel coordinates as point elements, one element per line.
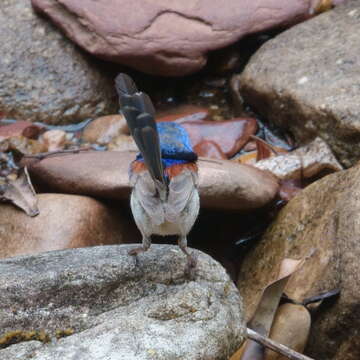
<point>139,113</point>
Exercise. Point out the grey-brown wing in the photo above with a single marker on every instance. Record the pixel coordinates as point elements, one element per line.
<point>146,193</point>
<point>139,113</point>
<point>181,188</point>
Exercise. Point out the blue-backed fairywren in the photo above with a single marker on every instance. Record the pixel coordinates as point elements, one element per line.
<point>164,199</point>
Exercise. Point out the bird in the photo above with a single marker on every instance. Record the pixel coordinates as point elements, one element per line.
<point>164,175</point>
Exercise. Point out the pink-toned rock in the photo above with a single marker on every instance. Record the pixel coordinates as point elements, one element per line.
<point>65,221</point>
<point>223,184</point>
<point>20,128</point>
<point>229,135</point>
<point>54,139</point>
<point>163,37</point>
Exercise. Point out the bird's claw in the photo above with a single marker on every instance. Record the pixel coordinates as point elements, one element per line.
<point>190,268</point>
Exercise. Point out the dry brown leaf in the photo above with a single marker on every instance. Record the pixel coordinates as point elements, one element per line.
<point>20,192</point>
<point>291,327</point>
<point>266,309</point>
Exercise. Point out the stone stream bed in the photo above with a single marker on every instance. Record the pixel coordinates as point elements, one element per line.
<point>270,103</point>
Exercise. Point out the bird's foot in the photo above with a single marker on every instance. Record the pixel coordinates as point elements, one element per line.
<point>136,251</point>
<point>190,268</point>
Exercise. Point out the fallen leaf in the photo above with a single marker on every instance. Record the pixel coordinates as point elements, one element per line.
<point>209,149</point>
<point>229,135</point>
<point>21,193</point>
<point>266,309</point>
<point>264,150</point>
<point>322,6</point>
<point>291,327</point>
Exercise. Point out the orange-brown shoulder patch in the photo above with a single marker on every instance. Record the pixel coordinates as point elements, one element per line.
<point>175,170</point>
<point>138,166</point>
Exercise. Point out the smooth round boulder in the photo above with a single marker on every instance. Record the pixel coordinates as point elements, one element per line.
<point>65,221</point>
<point>168,38</point>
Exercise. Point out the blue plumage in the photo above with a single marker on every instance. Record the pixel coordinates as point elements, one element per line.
<point>175,144</point>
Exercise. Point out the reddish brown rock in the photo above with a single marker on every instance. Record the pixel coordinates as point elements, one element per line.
<point>229,135</point>
<point>210,150</point>
<point>167,38</point>
<point>223,184</point>
<point>20,128</point>
<point>65,221</point>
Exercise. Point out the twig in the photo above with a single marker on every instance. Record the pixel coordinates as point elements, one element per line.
<point>205,159</point>
<point>274,346</point>
<point>43,155</point>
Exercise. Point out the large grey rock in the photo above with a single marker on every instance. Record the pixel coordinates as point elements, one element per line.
<point>43,76</point>
<point>167,37</point>
<point>120,309</point>
<point>322,224</point>
<point>307,80</point>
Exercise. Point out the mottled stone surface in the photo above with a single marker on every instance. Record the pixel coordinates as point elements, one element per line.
<point>307,80</point>
<point>120,309</point>
<point>223,184</point>
<point>43,76</point>
<point>306,161</point>
<point>65,221</point>
<point>322,223</point>
<point>167,38</point>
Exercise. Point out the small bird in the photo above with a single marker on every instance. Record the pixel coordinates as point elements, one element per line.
<point>164,175</point>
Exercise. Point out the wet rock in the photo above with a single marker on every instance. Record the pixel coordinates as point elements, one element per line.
<point>20,128</point>
<point>314,159</point>
<point>229,135</point>
<point>320,222</point>
<point>223,184</point>
<point>54,139</point>
<point>183,113</point>
<point>104,129</point>
<point>43,77</point>
<point>118,308</point>
<point>65,221</point>
<point>317,96</point>
<point>169,39</point>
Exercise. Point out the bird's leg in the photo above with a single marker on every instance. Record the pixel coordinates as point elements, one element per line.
<point>146,242</point>
<point>191,258</point>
